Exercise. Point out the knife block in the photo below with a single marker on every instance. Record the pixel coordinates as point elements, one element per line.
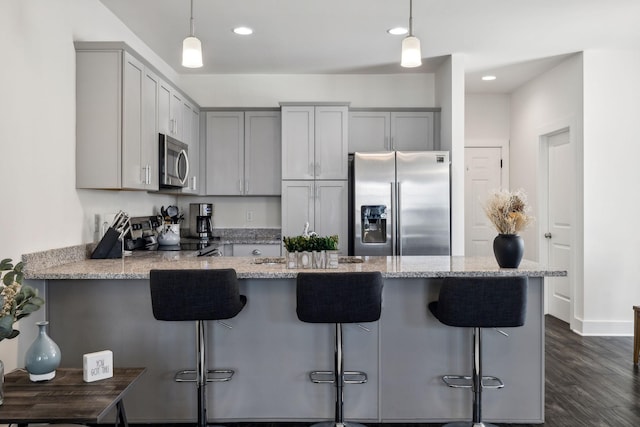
<point>110,246</point>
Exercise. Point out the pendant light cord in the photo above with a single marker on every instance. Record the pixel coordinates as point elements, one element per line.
<point>191,21</point>
<point>410,17</point>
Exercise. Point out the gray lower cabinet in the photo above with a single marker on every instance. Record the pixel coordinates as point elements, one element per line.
<point>323,204</point>
<point>404,355</point>
<point>264,250</point>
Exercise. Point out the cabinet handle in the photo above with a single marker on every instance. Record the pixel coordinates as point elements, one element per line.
<point>193,183</point>
<point>256,252</point>
<point>240,186</point>
<point>318,169</point>
<point>317,195</point>
<point>392,145</point>
<point>310,170</point>
<point>246,186</point>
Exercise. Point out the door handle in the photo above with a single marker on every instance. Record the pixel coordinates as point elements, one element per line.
<point>547,235</point>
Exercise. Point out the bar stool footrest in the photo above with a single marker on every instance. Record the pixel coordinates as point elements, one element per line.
<point>189,375</point>
<point>465,381</point>
<point>328,377</point>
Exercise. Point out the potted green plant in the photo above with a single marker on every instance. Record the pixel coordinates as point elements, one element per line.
<point>16,301</point>
<point>309,251</point>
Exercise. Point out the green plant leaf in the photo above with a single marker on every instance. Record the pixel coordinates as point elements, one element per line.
<point>5,264</point>
<point>9,278</point>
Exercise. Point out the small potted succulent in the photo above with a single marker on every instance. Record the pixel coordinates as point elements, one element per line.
<point>307,251</point>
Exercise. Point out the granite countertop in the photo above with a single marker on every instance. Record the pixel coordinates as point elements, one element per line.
<point>138,265</point>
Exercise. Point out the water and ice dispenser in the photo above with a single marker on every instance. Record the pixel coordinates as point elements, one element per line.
<point>373,223</point>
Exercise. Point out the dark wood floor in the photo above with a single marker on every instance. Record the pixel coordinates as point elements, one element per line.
<point>590,382</point>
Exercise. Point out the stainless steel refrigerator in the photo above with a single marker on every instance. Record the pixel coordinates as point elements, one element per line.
<point>401,203</point>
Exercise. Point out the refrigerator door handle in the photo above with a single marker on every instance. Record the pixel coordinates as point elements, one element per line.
<point>394,210</point>
<point>398,222</point>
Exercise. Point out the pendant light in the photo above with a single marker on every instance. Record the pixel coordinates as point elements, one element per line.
<point>411,54</point>
<point>191,48</point>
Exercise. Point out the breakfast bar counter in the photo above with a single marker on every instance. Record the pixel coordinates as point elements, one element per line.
<point>95,305</point>
<point>138,265</point>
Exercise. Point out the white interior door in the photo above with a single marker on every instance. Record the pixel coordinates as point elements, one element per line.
<point>561,202</point>
<point>482,174</point>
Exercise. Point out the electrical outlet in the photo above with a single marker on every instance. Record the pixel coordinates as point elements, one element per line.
<point>249,216</point>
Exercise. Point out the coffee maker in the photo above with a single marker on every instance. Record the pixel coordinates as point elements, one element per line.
<point>200,220</point>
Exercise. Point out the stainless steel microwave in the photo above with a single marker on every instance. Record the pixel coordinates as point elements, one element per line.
<point>174,162</point>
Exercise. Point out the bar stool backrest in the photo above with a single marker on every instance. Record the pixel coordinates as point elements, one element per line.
<point>339,297</point>
<point>195,294</point>
<point>482,302</point>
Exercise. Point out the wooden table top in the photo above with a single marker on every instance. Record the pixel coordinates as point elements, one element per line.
<point>64,399</point>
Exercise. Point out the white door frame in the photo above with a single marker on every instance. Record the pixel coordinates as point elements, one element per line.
<point>544,132</point>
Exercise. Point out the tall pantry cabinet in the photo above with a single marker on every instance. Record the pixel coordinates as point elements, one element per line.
<point>315,170</point>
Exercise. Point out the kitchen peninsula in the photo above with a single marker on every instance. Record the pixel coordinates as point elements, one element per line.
<point>105,304</point>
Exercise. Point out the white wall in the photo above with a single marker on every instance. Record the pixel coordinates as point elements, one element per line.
<point>487,118</point>
<point>255,90</point>
<point>611,177</point>
<point>550,102</point>
<point>554,97</point>
<point>449,89</point>
<point>41,207</point>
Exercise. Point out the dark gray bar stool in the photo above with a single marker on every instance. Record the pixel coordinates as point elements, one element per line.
<point>197,295</point>
<point>479,302</point>
<point>339,298</point>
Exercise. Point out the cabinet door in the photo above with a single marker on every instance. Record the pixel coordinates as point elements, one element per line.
<point>176,109</point>
<point>150,87</point>
<point>331,142</point>
<point>369,131</point>
<point>194,152</point>
<point>298,142</point>
<point>331,211</point>
<point>132,164</point>
<point>189,137</point>
<point>262,162</point>
<point>225,156</point>
<point>98,119</point>
<point>165,124</point>
<point>412,131</point>
<point>297,206</point>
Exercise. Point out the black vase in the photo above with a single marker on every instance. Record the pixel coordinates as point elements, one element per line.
<point>508,249</point>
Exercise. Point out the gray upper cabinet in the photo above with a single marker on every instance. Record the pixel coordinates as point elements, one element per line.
<point>387,131</point>
<point>191,136</point>
<point>170,111</point>
<point>121,106</point>
<point>243,153</point>
<point>111,86</point>
<point>314,142</point>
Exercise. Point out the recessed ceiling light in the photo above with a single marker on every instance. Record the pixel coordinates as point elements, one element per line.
<point>397,31</point>
<point>243,31</point>
<point>487,78</point>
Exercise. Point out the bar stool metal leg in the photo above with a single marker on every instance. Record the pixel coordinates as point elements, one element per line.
<point>476,385</point>
<point>339,382</point>
<point>201,372</point>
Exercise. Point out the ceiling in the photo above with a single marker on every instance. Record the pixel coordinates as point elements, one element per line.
<point>513,39</point>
